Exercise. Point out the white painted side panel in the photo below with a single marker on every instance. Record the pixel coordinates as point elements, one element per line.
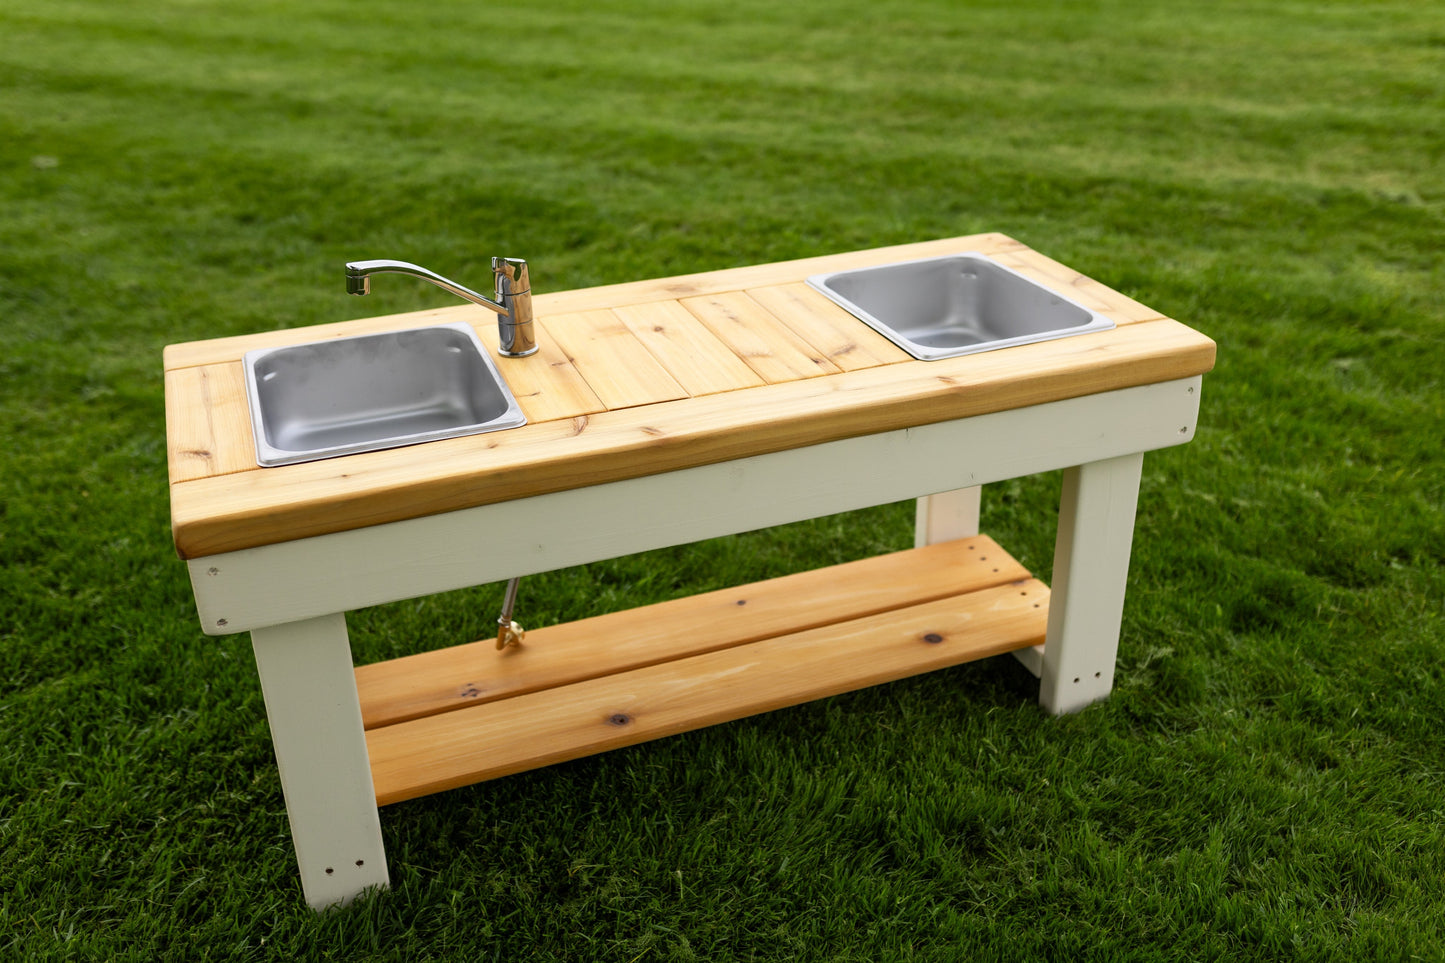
<point>290,581</point>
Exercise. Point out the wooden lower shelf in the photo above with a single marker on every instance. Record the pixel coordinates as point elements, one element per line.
<point>454,717</point>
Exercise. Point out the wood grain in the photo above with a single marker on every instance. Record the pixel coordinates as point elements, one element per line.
<point>784,333</point>
<point>547,303</point>
<point>221,350</point>
<point>244,509</point>
<point>842,339</point>
<point>546,385</point>
<point>617,367</point>
<point>443,680</point>
<point>1085,290</point>
<point>413,759</point>
<point>687,349</point>
<point>208,426</point>
<point>772,350</point>
<point>762,275</point>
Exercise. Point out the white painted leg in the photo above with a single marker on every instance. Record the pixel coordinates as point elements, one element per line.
<point>946,516</point>
<point>310,689</point>
<point>1091,571</point>
<point>955,514</point>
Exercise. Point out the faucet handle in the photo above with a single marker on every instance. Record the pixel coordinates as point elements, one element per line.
<point>514,291</point>
<point>511,273</point>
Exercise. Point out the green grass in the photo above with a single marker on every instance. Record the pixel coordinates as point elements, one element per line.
<point>1265,783</point>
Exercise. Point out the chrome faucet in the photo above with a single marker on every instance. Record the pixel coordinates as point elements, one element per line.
<point>513,302</point>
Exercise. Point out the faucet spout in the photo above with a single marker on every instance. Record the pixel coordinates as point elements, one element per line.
<point>358,280</point>
<point>513,303</point>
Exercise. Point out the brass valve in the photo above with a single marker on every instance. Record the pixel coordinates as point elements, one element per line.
<point>509,633</point>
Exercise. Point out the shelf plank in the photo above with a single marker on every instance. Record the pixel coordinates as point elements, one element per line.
<point>443,680</point>
<point>483,742</point>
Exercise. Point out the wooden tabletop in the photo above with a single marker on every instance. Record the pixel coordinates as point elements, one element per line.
<point>639,378</point>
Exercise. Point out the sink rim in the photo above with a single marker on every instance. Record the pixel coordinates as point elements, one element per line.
<point>1096,320</point>
<point>271,456</point>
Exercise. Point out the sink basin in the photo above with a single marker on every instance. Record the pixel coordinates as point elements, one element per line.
<point>364,393</point>
<point>943,307</point>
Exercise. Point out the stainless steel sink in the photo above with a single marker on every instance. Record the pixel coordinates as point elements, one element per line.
<point>364,393</point>
<point>943,307</point>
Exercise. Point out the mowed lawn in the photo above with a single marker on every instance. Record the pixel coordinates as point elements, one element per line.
<point>1266,782</point>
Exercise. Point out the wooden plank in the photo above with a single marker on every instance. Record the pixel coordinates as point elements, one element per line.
<point>221,350</point>
<point>549,303</point>
<point>615,365</point>
<point>546,384</point>
<point>245,509</point>
<point>208,426</point>
<point>442,680</point>
<point>843,339</point>
<point>761,275</point>
<point>701,363</point>
<point>459,748</point>
<point>1088,292</point>
<point>769,348</point>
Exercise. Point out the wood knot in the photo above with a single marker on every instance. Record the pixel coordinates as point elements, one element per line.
<point>933,638</point>
<point>654,432</point>
<point>579,425</point>
<point>619,719</point>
